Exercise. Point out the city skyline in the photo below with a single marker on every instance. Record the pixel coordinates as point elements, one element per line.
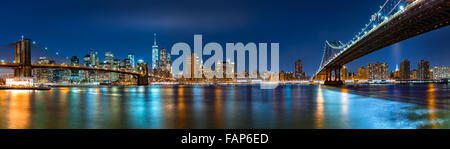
<point>298,39</point>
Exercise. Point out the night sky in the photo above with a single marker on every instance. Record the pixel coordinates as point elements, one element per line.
<point>301,27</point>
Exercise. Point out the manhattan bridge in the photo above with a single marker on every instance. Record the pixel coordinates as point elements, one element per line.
<point>395,21</point>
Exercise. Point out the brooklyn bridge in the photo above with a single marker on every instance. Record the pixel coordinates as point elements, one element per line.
<point>23,66</point>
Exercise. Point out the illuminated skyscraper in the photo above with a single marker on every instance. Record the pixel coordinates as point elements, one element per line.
<point>414,75</point>
<point>155,54</point>
<point>162,59</point>
<point>344,73</point>
<point>94,58</point>
<point>168,66</point>
<point>441,72</point>
<point>132,60</point>
<point>378,71</point>
<point>195,65</point>
<point>109,57</point>
<point>42,75</point>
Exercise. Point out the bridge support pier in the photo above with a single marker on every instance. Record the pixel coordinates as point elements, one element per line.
<point>22,56</point>
<point>336,81</point>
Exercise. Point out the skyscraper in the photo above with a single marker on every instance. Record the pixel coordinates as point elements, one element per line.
<point>423,69</point>
<point>404,69</point>
<point>298,69</point>
<point>378,71</point>
<point>94,58</point>
<point>162,59</point>
<point>194,62</point>
<point>87,60</point>
<point>109,58</point>
<point>132,60</point>
<point>154,53</point>
<point>74,61</point>
<point>168,66</point>
<point>414,75</point>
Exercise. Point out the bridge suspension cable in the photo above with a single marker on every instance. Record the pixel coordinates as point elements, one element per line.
<point>43,51</point>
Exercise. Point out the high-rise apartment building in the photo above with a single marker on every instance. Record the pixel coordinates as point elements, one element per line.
<point>378,71</point>
<point>423,69</point>
<point>405,69</point>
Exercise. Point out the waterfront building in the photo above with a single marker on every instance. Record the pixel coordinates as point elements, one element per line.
<point>94,58</point>
<point>423,69</point>
<point>344,73</point>
<point>405,70</point>
<point>377,71</point>
<point>229,68</point>
<point>441,72</point>
<point>299,69</point>
<point>87,61</point>
<point>362,73</point>
<point>395,75</point>
<point>109,58</point>
<point>162,59</point>
<point>414,75</point>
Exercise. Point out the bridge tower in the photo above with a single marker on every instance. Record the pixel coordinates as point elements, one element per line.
<point>22,57</point>
<point>143,77</point>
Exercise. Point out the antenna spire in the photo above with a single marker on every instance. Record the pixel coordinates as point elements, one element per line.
<point>154,38</point>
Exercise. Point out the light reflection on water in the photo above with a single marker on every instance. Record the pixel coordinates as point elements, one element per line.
<point>228,106</point>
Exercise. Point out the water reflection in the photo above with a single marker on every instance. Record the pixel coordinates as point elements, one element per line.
<point>431,106</point>
<point>344,106</point>
<point>231,106</point>
<point>319,111</point>
<point>19,112</point>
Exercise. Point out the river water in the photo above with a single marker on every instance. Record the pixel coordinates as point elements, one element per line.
<point>228,106</point>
